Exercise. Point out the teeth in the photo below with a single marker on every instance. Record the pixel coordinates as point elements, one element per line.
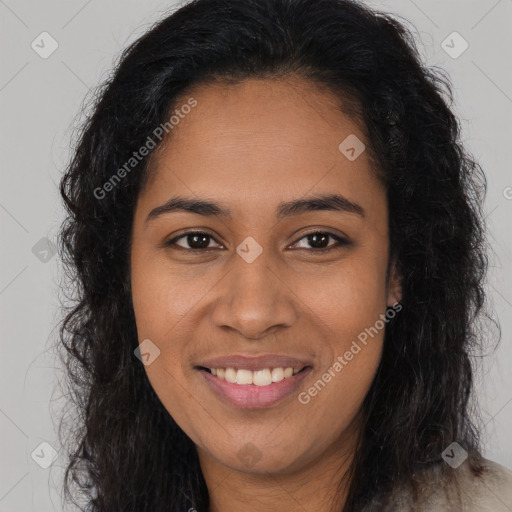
<point>262,377</point>
<point>243,377</point>
<point>230,375</point>
<point>277,374</point>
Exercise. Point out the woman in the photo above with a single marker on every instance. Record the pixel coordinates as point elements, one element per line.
<point>278,245</point>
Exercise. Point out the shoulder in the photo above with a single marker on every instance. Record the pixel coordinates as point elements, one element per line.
<point>443,489</point>
<point>490,491</point>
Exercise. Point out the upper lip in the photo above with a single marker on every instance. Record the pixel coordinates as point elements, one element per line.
<point>255,362</point>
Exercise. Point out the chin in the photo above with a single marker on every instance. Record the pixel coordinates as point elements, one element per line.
<point>258,458</point>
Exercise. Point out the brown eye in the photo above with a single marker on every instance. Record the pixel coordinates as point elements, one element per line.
<point>193,241</point>
<point>319,241</point>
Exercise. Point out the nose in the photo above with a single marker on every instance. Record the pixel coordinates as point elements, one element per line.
<point>254,300</point>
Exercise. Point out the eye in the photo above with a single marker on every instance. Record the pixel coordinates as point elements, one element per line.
<point>193,241</point>
<point>319,241</point>
<point>198,241</point>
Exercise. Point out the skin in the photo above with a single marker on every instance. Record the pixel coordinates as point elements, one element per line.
<point>250,147</point>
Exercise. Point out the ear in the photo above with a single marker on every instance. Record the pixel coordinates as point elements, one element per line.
<point>394,285</point>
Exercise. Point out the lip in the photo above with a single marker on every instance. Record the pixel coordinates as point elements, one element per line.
<point>254,363</point>
<point>251,396</point>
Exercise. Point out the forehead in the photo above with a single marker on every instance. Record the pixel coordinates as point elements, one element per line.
<point>261,140</point>
<point>284,117</point>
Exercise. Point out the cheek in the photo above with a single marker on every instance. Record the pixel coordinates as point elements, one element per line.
<point>162,296</point>
<point>158,310</point>
<point>350,304</point>
<point>347,300</point>
<point>352,349</point>
<point>339,402</point>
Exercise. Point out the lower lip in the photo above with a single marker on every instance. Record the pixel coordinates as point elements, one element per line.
<point>250,396</point>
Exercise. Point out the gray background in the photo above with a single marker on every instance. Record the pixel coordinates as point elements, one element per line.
<point>39,100</point>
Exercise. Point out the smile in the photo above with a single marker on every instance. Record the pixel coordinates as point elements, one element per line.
<point>244,388</point>
<point>263,377</point>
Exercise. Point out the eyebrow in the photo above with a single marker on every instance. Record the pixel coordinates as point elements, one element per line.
<point>333,202</point>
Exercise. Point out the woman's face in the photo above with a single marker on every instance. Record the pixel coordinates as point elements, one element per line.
<point>254,292</point>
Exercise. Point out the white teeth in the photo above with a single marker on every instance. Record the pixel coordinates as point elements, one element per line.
<point>244,377</point>
<point>230,375</point>
<point>262,377</point>
<point>277,374</point>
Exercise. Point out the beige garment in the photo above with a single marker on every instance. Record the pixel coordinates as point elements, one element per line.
<point>490,492</point>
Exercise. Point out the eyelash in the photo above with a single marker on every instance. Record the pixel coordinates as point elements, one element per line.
<point>341,242</point>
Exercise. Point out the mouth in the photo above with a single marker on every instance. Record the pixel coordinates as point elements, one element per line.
<point>253,389</point>
<point>246,377</point>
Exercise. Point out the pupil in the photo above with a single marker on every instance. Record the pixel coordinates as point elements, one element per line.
<point>312,240</point>
<point>193,238</point>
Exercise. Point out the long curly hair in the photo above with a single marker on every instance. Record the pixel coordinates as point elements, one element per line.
<point>125,451</point>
